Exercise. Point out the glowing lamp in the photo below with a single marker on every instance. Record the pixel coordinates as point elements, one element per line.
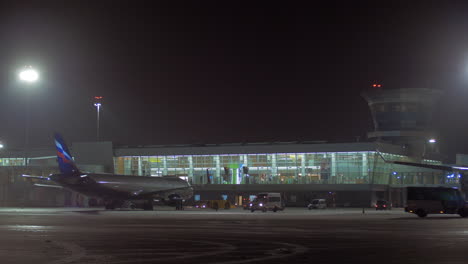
<point>29,75</point>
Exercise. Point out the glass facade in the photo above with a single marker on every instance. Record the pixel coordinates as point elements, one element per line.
<point>12,162</point>
<point>365,167</point>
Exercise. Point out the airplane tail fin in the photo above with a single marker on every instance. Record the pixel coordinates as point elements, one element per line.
<point>64,158</point>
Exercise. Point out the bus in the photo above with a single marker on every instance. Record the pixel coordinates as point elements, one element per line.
<point>435,200</point>
<point>267,201</point>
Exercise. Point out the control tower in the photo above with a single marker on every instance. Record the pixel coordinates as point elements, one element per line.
<point>403,117</point>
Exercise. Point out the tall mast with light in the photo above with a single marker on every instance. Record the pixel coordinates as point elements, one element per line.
<point>29,76</point>
<point>97,104</point>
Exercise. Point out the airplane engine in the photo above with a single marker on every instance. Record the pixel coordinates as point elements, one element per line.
<point>172,199</point>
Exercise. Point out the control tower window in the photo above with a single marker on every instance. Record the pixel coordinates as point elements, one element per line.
<point>379,107</point>
<point>408,124</point>
<point>396,108</point>
<point>411,108</point>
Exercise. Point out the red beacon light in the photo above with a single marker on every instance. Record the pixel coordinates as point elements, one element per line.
<point>97,101</point>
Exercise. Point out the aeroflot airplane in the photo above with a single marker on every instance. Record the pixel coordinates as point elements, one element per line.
<point>115,190</point>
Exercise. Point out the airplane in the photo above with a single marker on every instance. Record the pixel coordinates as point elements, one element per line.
<point>115,190</point>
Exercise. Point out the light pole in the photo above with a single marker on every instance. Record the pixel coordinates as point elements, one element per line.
<point>29,76</point>
<point>97,104</point>
<point>432,147</point>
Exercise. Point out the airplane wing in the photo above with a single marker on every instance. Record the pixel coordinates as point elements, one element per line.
<point>428,166</point>
<point>40,178</point>
<point>167,193</point>
<point>48,185</point>
<point>35,177</point>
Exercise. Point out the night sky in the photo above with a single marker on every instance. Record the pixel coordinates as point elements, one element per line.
<point>206,73</point>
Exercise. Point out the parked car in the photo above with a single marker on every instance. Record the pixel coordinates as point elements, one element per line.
<point>317,204</point>
<point>383,205</point>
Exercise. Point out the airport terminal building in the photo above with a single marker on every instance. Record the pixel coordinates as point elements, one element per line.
<point>346,174</point>
<point>349,174</point>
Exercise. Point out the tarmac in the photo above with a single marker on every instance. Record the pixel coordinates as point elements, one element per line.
<point>296,235</point>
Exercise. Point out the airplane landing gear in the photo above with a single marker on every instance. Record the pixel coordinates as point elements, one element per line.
<point>129,204</point>
<point>112,204</point>
<point>148,205</point>
<point>109,205</point>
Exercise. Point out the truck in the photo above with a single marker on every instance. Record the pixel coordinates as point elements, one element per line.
<point>267,202</point>
<point>435,200</point>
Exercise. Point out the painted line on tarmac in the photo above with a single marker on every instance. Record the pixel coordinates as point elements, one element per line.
<point>280,250</point>
<point>277,253</point>
<point>224,249</point>
<point>76,252</point>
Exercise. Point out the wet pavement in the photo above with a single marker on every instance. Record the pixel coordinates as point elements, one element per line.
<point>297,235</point>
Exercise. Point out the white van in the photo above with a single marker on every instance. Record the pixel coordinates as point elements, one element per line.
<point>317,204</point>
<point>267,201</point>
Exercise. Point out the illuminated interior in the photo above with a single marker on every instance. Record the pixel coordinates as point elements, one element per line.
<point>365,167</point>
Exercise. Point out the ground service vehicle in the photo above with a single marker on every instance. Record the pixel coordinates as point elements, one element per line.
<point>267,201</point>
<point>218,204</point>
<point>200,204</point>
<point>246,203</point>
<point>435,200</point>
<point>383,205</point>
<point>317,204</point>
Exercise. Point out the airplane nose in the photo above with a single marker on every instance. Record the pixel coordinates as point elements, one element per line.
<point>187,184</point>
<point>187,191</point>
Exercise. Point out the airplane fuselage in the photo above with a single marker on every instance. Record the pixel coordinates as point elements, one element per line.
<point>124,187</point>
